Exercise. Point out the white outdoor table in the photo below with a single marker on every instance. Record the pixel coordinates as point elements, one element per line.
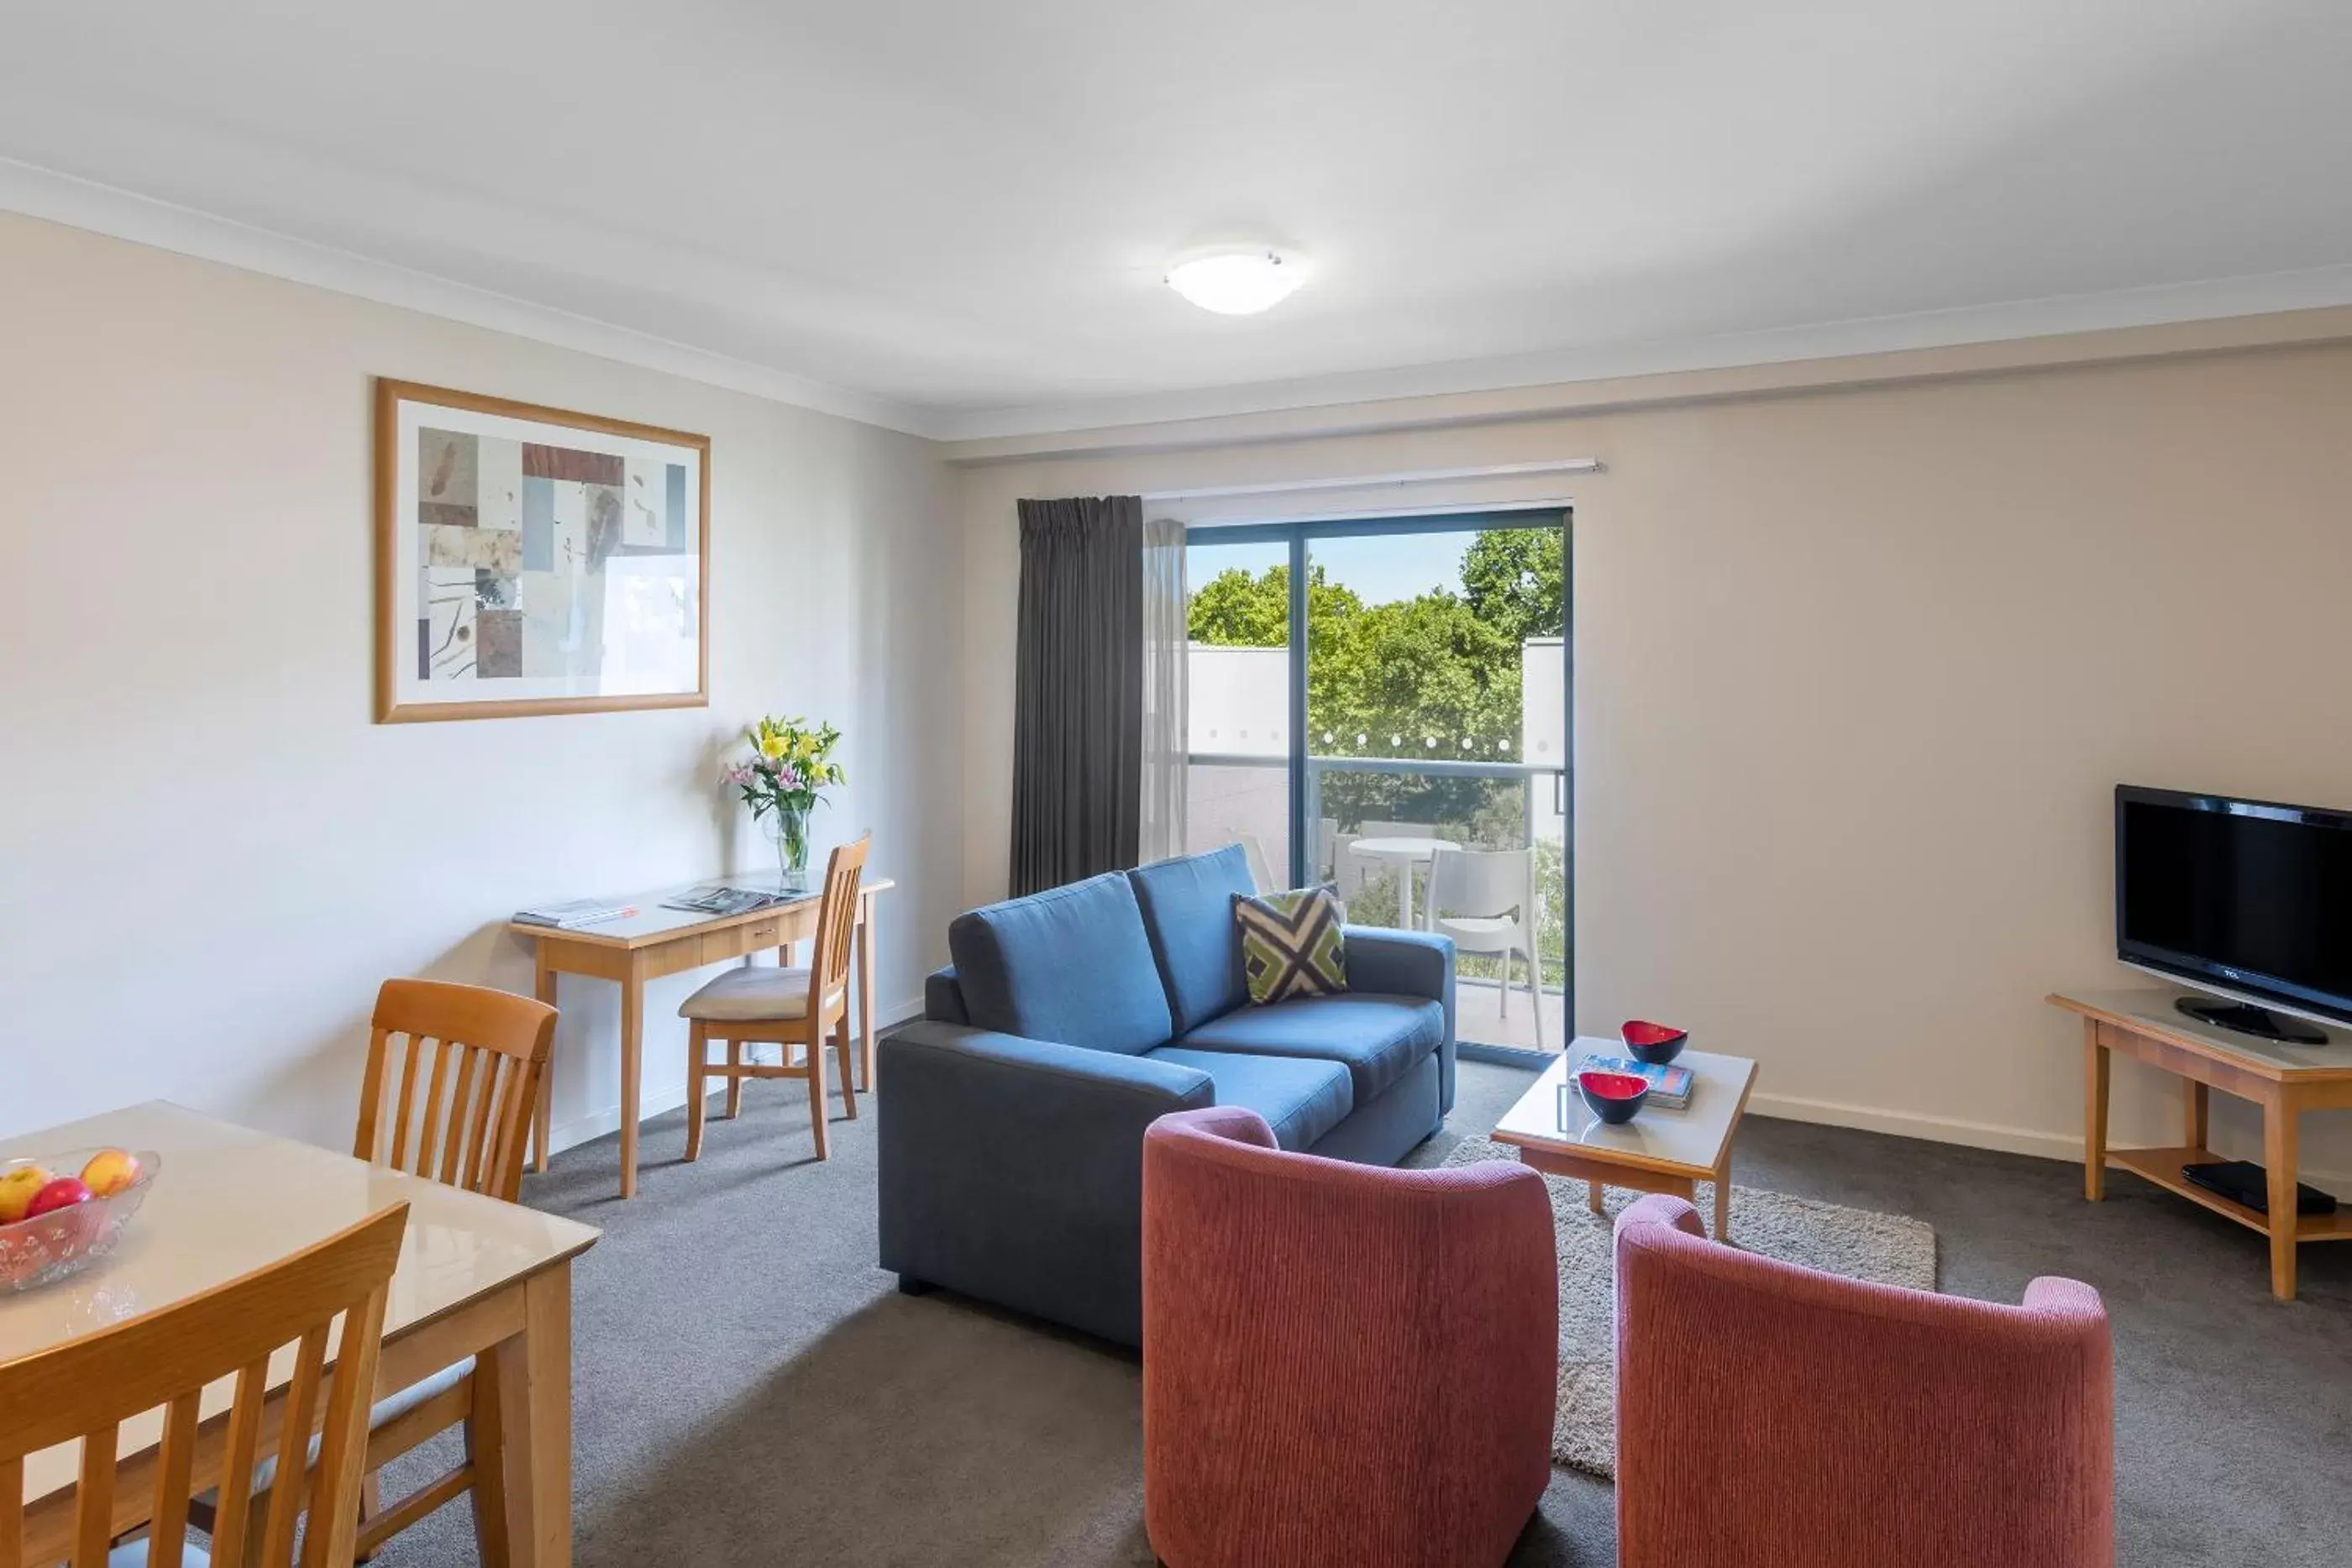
<point>1404,853</point>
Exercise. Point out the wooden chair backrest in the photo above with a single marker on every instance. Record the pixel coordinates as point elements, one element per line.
<point>467,1061</point>
<point>87,1387</point>
<point>836,918</point>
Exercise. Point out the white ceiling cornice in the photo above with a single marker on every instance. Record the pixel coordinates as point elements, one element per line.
<point>985,433</point>
<point>1519,386</point>
<point>103,209</point>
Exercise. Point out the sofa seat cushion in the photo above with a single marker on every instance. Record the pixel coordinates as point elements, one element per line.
<point>1071,965</point>
<point>1300,1098</point>
<point>1378,1038</point>
<point>1188,908</point>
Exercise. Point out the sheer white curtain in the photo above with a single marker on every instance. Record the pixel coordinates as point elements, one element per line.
<point>1166,643</point>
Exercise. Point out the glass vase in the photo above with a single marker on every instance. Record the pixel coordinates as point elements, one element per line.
<point>788,826</point>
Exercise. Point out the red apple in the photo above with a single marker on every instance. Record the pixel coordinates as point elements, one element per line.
<point>63,1193</point>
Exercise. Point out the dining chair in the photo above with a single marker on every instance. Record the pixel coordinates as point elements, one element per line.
<point>87,1388</point>
<point>453,1078</point>
<point>1490,903</point>
<point>781,1005</point>
<point>452,1075</point>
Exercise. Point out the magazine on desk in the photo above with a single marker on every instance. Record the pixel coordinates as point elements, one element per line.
<point>1670,1086</point>
<point>721,899</point>
<point>575,911</point>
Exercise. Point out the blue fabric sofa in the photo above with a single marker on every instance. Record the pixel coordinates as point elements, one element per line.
<point>1012,1128</point>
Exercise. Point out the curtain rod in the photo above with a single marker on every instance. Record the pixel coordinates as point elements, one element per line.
<point>1374,481</point>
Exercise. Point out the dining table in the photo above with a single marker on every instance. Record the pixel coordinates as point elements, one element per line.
<point>476,1277</point>
<point>1404,852</point>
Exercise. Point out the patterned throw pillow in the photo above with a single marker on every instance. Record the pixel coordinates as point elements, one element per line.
<point>1291,945</point>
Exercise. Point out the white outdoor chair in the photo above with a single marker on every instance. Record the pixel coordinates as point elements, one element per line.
<point>1490,901</point>
<point>1261,869</point>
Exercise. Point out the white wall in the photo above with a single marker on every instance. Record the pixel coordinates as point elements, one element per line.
<point>212,856</point>
<point>1856,670</point>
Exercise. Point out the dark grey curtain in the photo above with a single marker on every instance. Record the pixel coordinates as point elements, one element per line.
<point>1077,728</point>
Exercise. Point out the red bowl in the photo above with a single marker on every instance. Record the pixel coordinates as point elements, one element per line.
<point>1655,1043</point>
<point>1613,1097</point>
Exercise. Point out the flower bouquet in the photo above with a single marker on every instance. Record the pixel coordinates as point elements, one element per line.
<point>789,768</point>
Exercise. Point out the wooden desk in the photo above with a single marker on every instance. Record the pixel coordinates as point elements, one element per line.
<point>476,1277</point>
<point>1658,1151</point>
<point>655,942</point>
<point>2285,1079</point>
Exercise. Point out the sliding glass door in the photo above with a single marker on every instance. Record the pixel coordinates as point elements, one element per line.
<point>1400,688</point>
<point>1237,682</point>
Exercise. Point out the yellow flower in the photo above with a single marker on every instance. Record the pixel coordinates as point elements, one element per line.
<point>772,747</point>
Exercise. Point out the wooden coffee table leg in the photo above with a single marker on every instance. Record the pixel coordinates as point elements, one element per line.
<point>1593,1197</point>
<point>1723,1199</point>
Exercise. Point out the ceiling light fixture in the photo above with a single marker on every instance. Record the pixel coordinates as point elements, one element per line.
<point>1236,279</point>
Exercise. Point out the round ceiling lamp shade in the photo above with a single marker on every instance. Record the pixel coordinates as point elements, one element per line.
<point>1236,280</point>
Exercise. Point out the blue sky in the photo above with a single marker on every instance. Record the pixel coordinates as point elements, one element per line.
<point>1380,567</point>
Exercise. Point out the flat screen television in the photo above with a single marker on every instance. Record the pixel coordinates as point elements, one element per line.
<point>2248,899</point>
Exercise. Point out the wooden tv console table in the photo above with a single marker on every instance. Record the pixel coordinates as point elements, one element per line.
<point>2285,1079</point>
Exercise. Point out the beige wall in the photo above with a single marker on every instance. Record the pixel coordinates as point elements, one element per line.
<point>212,856</point>
<point>1856,672</point>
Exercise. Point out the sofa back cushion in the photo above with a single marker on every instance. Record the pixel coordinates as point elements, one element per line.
<point>1070,964</point>
<point>1188,909</point>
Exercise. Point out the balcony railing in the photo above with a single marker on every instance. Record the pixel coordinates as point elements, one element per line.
<point>1261,809</point>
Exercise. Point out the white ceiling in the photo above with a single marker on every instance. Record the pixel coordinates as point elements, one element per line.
<point>952,216</point>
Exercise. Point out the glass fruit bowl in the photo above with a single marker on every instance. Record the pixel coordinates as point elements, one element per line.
<point>42,1248</point>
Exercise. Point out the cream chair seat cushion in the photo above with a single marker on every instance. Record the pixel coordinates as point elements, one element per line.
<point>747,995</point>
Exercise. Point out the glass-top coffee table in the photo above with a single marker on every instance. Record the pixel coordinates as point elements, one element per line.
<point>1658,1151</point>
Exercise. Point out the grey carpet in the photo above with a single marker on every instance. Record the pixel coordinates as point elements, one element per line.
<point>1884,1249</point>
<point>751,1390</point>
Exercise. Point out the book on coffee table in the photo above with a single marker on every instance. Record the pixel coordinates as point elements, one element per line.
<point>1670,1085</point>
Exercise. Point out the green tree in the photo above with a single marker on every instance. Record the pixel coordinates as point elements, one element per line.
<point>1389,680</point>
<point>1516,580</point>
<point>1236,609</point>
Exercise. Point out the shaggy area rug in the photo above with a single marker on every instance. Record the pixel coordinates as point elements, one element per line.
<point>1884,1249</point>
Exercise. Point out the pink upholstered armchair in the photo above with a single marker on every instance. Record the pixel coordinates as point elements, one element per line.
<point>1342,1363</point>
<point>1769,1416</point>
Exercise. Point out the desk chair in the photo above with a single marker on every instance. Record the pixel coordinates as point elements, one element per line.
<point>87,1387</point>
<point>784,1007</point>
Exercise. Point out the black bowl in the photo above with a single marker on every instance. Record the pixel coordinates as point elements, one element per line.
<point>1654,1043</point>
<point>1613,1097</point>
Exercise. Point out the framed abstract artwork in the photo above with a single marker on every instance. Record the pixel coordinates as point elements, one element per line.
<point>532,560</point>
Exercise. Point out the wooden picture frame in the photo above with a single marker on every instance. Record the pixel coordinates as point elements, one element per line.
<point>498,528</point>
